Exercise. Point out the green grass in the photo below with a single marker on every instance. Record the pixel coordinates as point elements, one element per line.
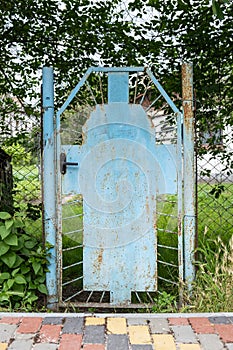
<point>215,213</point>
<point>73,211</point>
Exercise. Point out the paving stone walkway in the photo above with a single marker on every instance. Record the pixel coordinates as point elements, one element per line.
<point>116,331</point>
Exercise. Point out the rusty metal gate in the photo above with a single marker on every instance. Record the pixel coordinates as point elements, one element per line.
<point>118,184</point>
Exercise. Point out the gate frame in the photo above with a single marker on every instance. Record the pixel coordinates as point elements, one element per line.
<point>51,174</point>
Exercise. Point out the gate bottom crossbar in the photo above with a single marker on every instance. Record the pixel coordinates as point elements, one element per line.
<point>77,305</point>
<point>101,300</point>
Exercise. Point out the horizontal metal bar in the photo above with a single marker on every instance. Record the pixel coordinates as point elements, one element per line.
<point>167,231</point>
<point>74,280</point>
<point>73,216</point>
<point>72,265</point>
<point>69,233</point>
<point>103,305</point>
<point>166,247</point>
<point>166,201</point>
<point>117,69</point>
<point>166,263</point>
<point>163,214</point>
<point>76,201</point>
<point>72,248</point>
<point>168,281</point>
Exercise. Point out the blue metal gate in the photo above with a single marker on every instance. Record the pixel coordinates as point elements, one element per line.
<point>118,194</point>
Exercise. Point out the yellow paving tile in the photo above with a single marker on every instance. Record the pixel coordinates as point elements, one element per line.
<point>3,346</point>
<point>116,325</point>
<point>189,347</point>
<point>164,342</point>
<point>139,335</point>
<point>94,321</point>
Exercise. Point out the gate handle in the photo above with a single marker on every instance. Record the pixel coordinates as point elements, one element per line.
<point>64,163</point>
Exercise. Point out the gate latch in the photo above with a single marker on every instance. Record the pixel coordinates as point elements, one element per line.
<point>64,163</point>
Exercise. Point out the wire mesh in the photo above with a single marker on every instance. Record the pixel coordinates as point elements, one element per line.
<point>215,184</point>
<point>20,142</point>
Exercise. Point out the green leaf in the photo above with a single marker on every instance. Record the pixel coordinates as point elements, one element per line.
<point>19,223</point>
<point>9,259</point>
<point>36,266</point>
<point>4,276</point>
<point>11,240</point>
<point>16,292</point>
<point>3,248</point>
<point>20,279</point>
<point>4,232</point>
<point>4,215</point>
<point>9,224</point>
<point>25,270</point>
<point>4,297</point>
<point>10,283</point>
<point>18,261</point>
<point>31,243</point>
<point>31,285</point>
<point>217,9</point>
<point>42,288</point>
<point>14,272</point>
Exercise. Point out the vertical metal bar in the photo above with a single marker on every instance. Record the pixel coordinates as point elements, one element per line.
<point>58,206</point>
<point>49,192</point>
<point>180,203</point>
<point>189,173</point>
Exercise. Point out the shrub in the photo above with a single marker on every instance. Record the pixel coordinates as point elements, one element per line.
<point>23,264</point>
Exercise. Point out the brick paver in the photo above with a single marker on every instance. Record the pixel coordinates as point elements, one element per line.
<point>189,347</point>
<point>225,332</point>
<point>94,335</point>
<point>159,325</point>
<point>184,334</point>
<point>30,325</point>
<point>164,342</point>
<point>50,333</point>
<point>7,332</point>
<point>139,334</point>
<point>116,325</point>
<point>70,342</point>
<point>10,320</point>
<point>73,325</point>
<point>116,332</point>
<point>3,346</point>
<point>95,321</point>
<point>201,325</point>
<point>178,321</point>
<point>210,342</point>
<point>117,341</point>
<point>94,347</point>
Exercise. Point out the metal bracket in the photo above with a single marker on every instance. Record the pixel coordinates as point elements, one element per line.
<point>64,163</point>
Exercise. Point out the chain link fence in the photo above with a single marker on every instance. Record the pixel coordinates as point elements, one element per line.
<point>215,185</point>
<point>20,176</point>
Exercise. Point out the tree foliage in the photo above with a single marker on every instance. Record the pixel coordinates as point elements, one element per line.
<point>71,35</point>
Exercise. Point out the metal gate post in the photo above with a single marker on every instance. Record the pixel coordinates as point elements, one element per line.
<point>49,189</point>
<point>189,173</point>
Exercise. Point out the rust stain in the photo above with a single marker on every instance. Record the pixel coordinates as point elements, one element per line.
<point>100,257</point>
<point>147,206</point>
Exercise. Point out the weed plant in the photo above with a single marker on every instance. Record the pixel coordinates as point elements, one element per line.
<point>212,289</point>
